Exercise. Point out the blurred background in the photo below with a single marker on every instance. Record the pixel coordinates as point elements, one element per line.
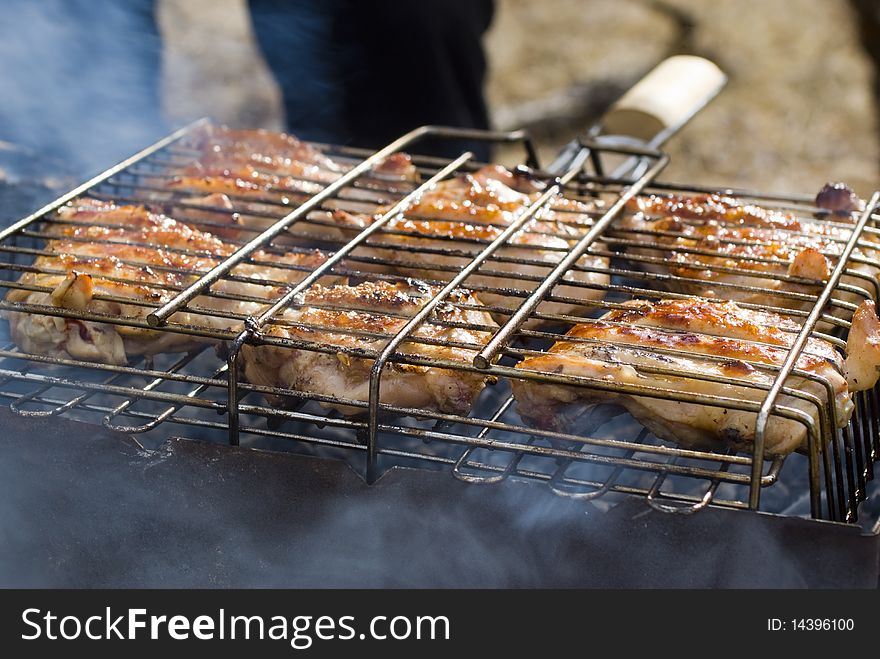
<point>800,108</point>
<point>78,82</point>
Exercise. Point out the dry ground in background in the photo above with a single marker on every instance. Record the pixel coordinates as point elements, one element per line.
<point>798,109</point>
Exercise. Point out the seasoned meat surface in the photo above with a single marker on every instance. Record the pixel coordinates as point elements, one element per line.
<point>140,259</point>
<point>264,175</point>
<point>243,180</point>
<point>268,150</point>
<point>364,318</point>
<point>673,345</point>
<point>725,247</point>
<point>450,224</point>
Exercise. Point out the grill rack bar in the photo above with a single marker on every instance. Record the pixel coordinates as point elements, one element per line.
<point>835,302</point>
<point>794,353</point>
<point>161,316</point>
<point>253,328</point>
<point>488,354</point>
<point>198,422</point>
<point>867,431</point>
<point>395,210</point>
<point>391,348</point>
<point>201,383</point>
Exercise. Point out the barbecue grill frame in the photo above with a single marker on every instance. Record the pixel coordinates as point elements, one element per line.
<point>844,483</point>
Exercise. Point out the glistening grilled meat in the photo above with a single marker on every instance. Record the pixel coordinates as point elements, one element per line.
<point>285,155</point>
<point>270,151</point>
<point>450,224</point>
<point>263,175</point>
<point>140,260</point>
<point>670,345</point>
<point>358,318</point>
<point>728,248</point>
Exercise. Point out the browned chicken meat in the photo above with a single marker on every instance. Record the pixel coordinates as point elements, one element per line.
<point>282,154</point>
<point>261,176</point>
<point>672,345</point>
<point>444,229</point>
<point>363,318</point>
<point>736,250</point>
<point>245,181</point>
<point>122,262</point>
<point>268,150</point>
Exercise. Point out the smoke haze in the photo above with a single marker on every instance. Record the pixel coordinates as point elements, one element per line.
<point>79,79</point>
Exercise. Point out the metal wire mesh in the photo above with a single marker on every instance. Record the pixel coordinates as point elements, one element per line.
<point>587,263</point>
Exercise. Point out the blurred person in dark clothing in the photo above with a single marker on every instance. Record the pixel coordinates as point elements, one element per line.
<point>364,72</point>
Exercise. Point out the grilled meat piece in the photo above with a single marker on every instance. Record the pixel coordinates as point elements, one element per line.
<point>724,245</point>
<point>690,339</point>
<point>863,348</point>
<point>141,259</point>
<point>267,149</point>
<point>449,225</point>
<point>363,318</point>
<point>263,175</point>
<point>282,154</point>
<point>245,181</point>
